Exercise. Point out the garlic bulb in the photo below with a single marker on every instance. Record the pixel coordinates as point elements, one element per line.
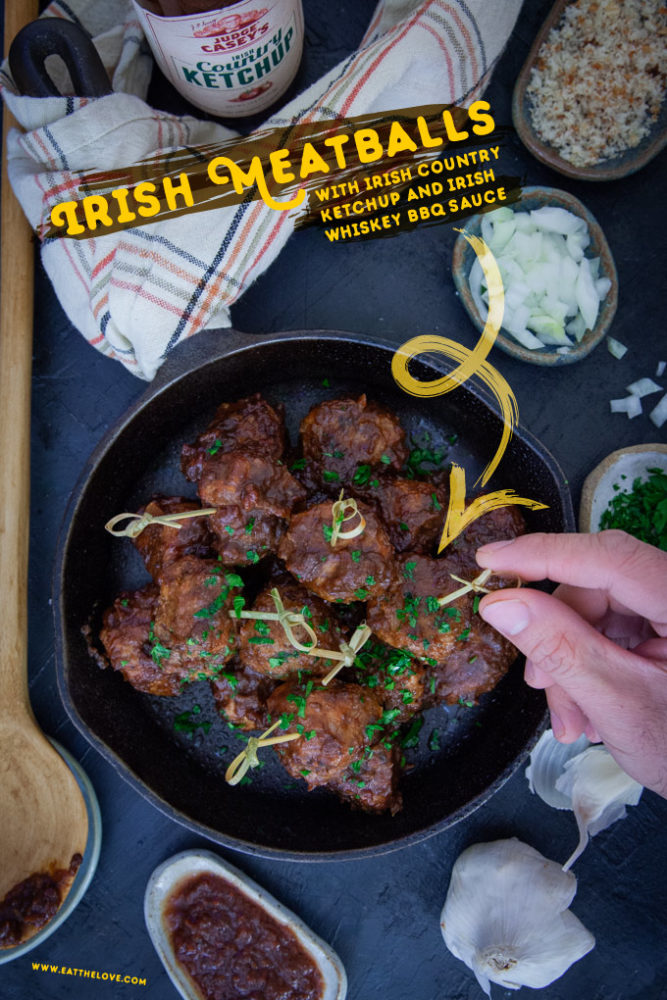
<point>599,791</point>
<point>506,916</point>
<point>547,763</point>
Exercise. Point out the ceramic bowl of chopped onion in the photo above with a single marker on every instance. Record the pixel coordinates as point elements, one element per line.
<point>559,277</point>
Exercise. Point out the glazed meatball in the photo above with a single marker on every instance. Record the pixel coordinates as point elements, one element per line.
<point>240,696</point>
<point>341,436</point>
<point>408,617</point>
<point>249,424</point>
<point>371,782</point>
<point>192,613</point>
<point>473,667</point>
<point>242,539</point>
<point>398,679</point>
<point>264,646</point>
<point>333,720</point>
<point>412,511</point>
<point>129,640</point>
<point>504,522</point>
<point>352,570</point>
<point>160,545</point>
<point>255,496</point>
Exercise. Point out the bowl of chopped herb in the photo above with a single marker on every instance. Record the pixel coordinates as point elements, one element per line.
<point>628,490</point>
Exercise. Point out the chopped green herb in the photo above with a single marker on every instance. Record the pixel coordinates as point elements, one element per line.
<point>361,594</point>
<point>233,579</point>
<point>326,383</point>
<point>362,475</point>
<point>184,723</point>
<point>330,477</point>
<point>370,581</point>
<point>252,556</point>
<point>261,640</point>
<point>472,658</point>
<point>434,502</point>
<point>403,526</point>
<point>643,511</point>
<point>466,702</point>
<point>434,740</point>
<point>327,531</point>
<point>432,604</point>
<point>249,526</point>
<point>299,464</point>
<point>239,604</point>
<point>385,459</point>
<point>411,738</point>
<point>215,447</point>
<point>355,555</point>
<point>304,772</point>
<point>463,636</point>
<point>409,570</point>
<point>228,528</point>
<point>475,603</point>
<point>432,685</point>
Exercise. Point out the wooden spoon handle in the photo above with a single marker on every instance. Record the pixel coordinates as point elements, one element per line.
<point>16,319</point>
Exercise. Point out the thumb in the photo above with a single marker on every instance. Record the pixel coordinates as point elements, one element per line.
<point>556,640</point>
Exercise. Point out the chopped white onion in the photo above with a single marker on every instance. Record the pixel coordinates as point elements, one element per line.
<point>616,348</point>
<point>660,370</point>
<point>552,291</point>
<point>643,387</point>
<point>659,414</point>
<point>630,404</point>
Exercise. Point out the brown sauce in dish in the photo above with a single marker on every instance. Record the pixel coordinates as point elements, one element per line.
<point>233,949</point>
<point>33,902</point>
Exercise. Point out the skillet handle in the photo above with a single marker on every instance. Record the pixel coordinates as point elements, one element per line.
<point>49,36</point>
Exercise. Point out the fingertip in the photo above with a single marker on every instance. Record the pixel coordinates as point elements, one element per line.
<point>484,554</point>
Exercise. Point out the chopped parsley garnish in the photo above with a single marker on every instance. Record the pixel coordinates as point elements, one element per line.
<point>252,556</point>
<point>326,383</point>
<point>434,740</point>
<point>249,526</point>
<point>370,581</point>
<point>361,594</point>
<point>463,636</point>
<point>330,477</point>
<point>299,464</point>
<point>279,659</point>
<point>643,511</point>
<point>228,528</point>
<point>432,604</point>
<point>184,723</point>
<point>327,531</point>
<point>475,603</point>
<point>434,502</point>
<point>355,555</point>
<point>215,447</point>
<point>304,772</point>
<point>362,475</point>
<point>239,604</point>
<point>411,738</point>
<point>466,702</point>
<point>403,526</point>
<point>385,459</point>
<point>261,640</point>
<point>409,570</point>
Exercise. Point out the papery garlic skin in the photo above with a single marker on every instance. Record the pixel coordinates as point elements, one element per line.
<point>547,763</point>
<point>599,791</point>
<point>506,916</point>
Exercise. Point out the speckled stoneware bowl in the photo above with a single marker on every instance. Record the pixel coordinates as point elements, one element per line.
<point>606,170</point>
<point>166,879</point>
<point>619,469</point>
<point>532,198</point>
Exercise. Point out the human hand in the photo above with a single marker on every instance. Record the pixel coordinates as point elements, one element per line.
<point>598,645</point>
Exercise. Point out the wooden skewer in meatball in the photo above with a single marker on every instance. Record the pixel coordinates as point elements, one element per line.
<point>350,570</point>
<point>341,435</point>
<point>409,617</point>
<point>160,545</point>
<point>249,424</point>
<point>264,647</point>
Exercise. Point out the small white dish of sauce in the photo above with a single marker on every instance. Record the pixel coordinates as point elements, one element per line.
<point>197,905</point>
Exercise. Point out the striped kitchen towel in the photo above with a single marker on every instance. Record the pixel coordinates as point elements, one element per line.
<point>135,294</point>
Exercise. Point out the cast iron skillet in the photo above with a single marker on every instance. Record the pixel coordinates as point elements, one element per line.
<point>463,755</point>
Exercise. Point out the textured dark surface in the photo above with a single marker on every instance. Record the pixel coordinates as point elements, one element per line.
<point>381,915</point>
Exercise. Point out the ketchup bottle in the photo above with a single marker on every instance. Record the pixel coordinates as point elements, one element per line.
<point>232,58</point>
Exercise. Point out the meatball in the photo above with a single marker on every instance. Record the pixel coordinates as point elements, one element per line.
<point>398,679</point>
<point>336,722</point>
<point>249,424</point>
<point>504,522</point>
<point>160,545</point>
<point>413,512</point>
<point>192,613</point>
<point>264,646</point>
<point>352,570</point>
<point>242,539</point>
<point>240,696</point>
<point>371,782</point>
<point>255,496</point>
<point>342,436</point>
<point>129,640</point>
<point>408,616</point>
<point>473,667</point>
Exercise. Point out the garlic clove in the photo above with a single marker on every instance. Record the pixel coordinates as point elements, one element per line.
<point>506,916</point>
<point>599,791</point>
<point>547,764</point>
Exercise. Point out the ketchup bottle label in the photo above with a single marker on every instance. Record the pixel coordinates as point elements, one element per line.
<point>232,62</point>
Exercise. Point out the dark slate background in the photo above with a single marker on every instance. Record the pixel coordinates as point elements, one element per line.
<point>381,915</point>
